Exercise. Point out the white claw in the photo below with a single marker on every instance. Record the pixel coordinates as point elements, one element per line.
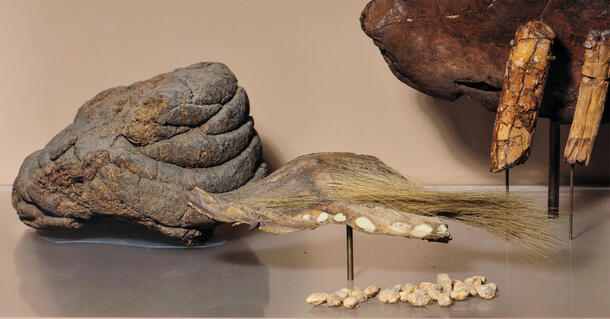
<point>366,224</point>
<point>339,218</point>
<point>322,217</point>
<point>422,230</point>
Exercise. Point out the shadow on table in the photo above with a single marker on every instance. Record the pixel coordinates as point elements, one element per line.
<point>109,280</point>
<point>464,253</point>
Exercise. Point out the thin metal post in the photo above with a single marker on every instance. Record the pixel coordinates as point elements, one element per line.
<point>350,252</point>
<point>553,192</point>
<point>571,197</point>
<point>507,181</point>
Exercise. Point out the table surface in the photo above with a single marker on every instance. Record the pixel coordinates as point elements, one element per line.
<point>255,274</point>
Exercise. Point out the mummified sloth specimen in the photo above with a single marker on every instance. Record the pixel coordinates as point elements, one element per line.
<point>524,82</point>
<point>361,191</point>
<point>591,98</point>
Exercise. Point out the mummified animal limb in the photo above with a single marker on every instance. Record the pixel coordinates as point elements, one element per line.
<point>524,80</point>
<point>361,191</point>
<point>297,197</point>
<point>591,98</point>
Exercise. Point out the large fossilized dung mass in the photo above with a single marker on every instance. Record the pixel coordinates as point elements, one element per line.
<point>452,48</point>
<point>132,151</point>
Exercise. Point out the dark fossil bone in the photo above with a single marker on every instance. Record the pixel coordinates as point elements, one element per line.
<point>450,48</point>
<point>132,150</point>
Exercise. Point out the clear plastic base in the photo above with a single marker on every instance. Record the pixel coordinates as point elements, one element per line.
<point>135,242</point>
<point>111,232</point>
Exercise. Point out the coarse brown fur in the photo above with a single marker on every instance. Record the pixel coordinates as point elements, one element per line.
<point>359,185</point>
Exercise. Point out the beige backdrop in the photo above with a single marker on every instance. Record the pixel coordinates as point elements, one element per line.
<point>315,81</point>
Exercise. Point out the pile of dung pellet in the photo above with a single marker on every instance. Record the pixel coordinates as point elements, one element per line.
<point>444,291</point>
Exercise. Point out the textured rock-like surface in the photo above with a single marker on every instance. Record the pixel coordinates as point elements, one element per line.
<point>133,150</point>
<point>449,48</point>
<point>591,99</point>
<point>524,80</point>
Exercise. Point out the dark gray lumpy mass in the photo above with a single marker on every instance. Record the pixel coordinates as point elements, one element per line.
<point>132,151</point>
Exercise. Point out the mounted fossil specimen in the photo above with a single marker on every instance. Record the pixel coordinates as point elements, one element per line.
<point>360,191</point>
<point>178,154</point>
<point>525,78</point>
<point>452,48</point>
<point>131,151</point>
<point>591,98</point>
<point>590,106</point>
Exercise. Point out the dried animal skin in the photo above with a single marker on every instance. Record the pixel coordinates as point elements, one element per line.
<point>350,302</point>
<point>294,196</point>
<point>524,81</point>
<point>453,48</point>
<point>371,290</point>
<point>487,291</point>
<point>362,187</point>
<point>591,98</point>
<point>317,298</point>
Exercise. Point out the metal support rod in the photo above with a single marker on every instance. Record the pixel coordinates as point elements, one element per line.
<point>571,197</point>
<point>507,181</point>
<point>553,192</point>
<point>350,252</point>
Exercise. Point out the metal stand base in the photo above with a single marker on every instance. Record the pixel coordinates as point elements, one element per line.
<point>553,193</point>
<point>507,181</point>
<point>571,197</point>
<point>350,252</point>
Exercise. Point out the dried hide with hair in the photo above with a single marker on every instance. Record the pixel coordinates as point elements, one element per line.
<point>362,192</point>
